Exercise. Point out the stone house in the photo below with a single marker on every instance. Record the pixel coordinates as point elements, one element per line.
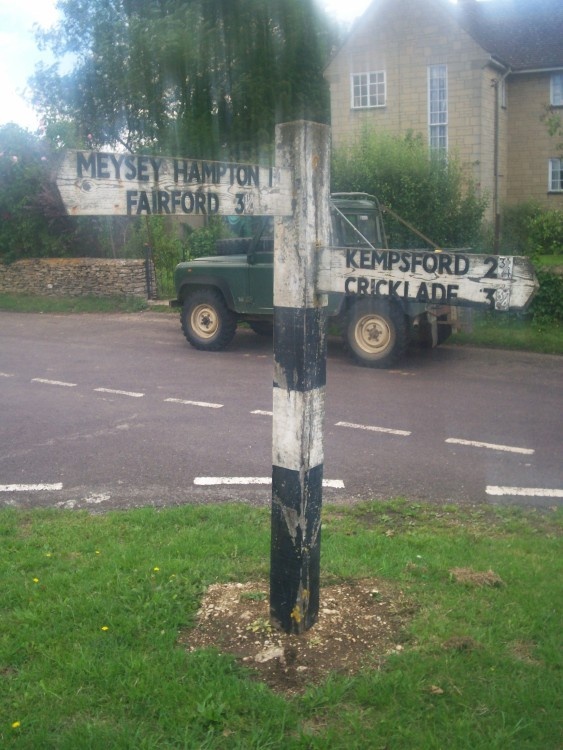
<point>474,78</point>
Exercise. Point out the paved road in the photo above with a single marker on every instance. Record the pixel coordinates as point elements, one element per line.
<point>107,411</point>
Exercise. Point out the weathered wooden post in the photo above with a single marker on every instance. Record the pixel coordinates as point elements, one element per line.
<point>299,379</point>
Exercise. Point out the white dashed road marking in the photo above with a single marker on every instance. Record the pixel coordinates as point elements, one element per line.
<point>373,428</point>
<point>204,404</point>
<point>30,487</point>
<point>491,446</point>
<point>214,481</point>
<point>53,382</point>
<point>263,413</point>
<point>132,394</point>
<point>6,375</point>
<point>523,491</point>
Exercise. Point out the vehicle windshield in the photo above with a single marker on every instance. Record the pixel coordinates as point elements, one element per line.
<point>356,228</point>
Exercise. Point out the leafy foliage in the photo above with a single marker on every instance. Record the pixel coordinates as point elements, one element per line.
<point>31,225</point>
<point>201,242</point>
<point>546,233</point>
<point>528,229</point>
<point>547,305</point>
<point>204,78</point>
<point>431,193</point>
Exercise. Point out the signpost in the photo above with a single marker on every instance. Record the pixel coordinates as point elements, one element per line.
<point>299,379</point>
<point>109,184</point>
<point>297,191</point>
<point>491,281</point>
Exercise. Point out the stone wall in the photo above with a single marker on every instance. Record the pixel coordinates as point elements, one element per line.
<point>77,277</point>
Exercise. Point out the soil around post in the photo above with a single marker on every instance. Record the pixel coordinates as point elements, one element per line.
<point>360,623</point>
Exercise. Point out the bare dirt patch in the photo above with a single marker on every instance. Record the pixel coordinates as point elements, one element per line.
<point>476,578</point>
<point>359,624</point>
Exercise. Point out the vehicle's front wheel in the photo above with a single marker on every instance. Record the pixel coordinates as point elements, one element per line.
<point>376,333</point>
<point>207,322</point>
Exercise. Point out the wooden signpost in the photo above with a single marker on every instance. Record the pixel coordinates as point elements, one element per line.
<point>299,379</point>
<point>491,281</point>
<point>108,184</point>
<point>297,192</point>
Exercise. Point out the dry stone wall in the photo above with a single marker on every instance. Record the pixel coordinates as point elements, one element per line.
<point>77,277</point>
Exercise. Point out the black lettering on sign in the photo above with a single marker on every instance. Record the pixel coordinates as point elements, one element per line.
<point>239,203</point>
<point>348,285</point>
<point>490,295</point>
<point>444,263</point>
<point>422,294</point>
<point>461,265</point>
<point>83,162</point>
<point>170,202</point>
<point>131,172</point>
<point>492,271</point>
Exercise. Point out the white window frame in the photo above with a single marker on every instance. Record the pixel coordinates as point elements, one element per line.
<point>555,183</point>
<point>368,90</point>
<point>503,103</point>
<point>438,108</point>
<point>556,90</point>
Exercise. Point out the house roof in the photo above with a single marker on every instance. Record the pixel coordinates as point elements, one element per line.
<point>523,34</point>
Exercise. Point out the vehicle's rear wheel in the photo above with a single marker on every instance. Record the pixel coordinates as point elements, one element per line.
<point>207,322</point>
<point>376,333</point>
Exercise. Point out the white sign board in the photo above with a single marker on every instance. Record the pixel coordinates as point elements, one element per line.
<point>109,184</point>
<point>450,278</point>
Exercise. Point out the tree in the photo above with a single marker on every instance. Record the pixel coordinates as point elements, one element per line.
<point>202,78</point>
<point>34,222</point>
<point>430,192</point>
<point>31,215</point>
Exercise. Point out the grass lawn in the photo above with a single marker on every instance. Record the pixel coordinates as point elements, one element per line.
<point>86,304</point>
<point>91,607</point>
<point>509,331</point>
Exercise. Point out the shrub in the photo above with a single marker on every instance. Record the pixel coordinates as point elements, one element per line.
<point>432,193</point>
<point>530,230</point>
<point>547,305</point>
<point>201,242</point>
<point>546,233</point>
<point>30,226</point>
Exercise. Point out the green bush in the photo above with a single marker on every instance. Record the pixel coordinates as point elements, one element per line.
<point>546,233</point>
<point>201,242</point>
<point>547,305</point>
<point>528,229</point>
<point>31,225</point>
<point>432,193</point>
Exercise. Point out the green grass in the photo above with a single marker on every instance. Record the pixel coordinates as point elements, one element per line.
<point>86,304</point>
<point>506,331</point>
<point>67,682</point>
<point>549,260</point>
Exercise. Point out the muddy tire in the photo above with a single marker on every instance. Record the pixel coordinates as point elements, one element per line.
<point>375,333</point>
<point>207,322</point>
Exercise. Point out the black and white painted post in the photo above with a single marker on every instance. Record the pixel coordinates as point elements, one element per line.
<point>299,379</point>
<point>297,193</point>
